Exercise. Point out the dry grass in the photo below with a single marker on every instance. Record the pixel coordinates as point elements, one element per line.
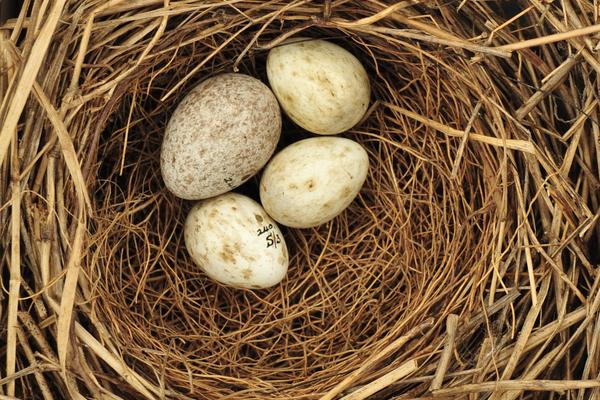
<point>466,267</point>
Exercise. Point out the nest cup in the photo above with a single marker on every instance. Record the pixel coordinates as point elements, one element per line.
<point>407,249</point>
<point>437,273</point>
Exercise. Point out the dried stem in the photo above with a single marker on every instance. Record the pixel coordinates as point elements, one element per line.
<point>481,210</point>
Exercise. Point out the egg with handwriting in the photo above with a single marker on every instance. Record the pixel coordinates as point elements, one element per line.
<point>321,86</point>
<point>220,135</point>
<point>235,242</point>
<point>313,180</point>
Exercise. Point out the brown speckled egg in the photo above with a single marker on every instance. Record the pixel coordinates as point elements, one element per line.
<point>220,135</point>
<point>321,86</point>
<point>312,181</point>
<point>233,240</point>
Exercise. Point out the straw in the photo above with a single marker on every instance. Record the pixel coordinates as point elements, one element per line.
<point>465,267</point>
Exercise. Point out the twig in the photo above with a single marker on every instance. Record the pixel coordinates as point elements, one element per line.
<point>63,326</point>
<point>386,380</point>
<point>374,359</point>
<point>521,145</point>
<point>557,37</point>
<point>13,106</point>
<point>451,324</point>
<point>15,268</point>
<point>525,333</point>
<point>536,385</point>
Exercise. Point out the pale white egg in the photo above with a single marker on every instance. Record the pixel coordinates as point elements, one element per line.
<point>235,242</point>
<point>312,181</point>
<point>321,86</point>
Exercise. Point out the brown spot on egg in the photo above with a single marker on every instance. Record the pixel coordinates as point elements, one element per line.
<point>310,184</point>
<point>228,252</point>
<point>227,257</point>
<point>347,191</point>
<point>247,273</point>
<point>258,218</point>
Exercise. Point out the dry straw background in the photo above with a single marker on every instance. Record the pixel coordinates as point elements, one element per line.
<point>467,267</point>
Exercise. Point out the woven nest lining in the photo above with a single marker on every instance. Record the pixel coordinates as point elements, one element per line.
<point>415,236</point>
<point>468,257</point>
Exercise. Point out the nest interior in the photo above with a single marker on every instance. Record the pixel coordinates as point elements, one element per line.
<point>382,267</point>
<point>467,258</point>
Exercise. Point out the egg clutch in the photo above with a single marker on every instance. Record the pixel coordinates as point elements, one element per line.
<point>226,129</point>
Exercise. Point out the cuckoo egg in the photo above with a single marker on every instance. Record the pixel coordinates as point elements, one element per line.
<point>221,134</point>
<point>313,180</point>
<point>235,242</point>
<point>321,86</point>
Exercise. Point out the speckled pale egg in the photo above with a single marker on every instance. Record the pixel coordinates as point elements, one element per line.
<point>235,242</point>
<point>321,86</point>
<point>312,181</point>
<point>220,135</point>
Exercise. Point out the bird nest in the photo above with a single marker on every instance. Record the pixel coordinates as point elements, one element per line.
<point>465,265</point>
